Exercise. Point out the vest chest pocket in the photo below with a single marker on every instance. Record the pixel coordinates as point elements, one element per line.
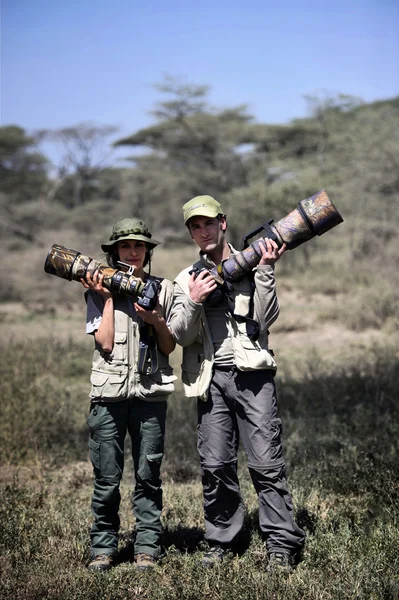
<point>118,356</point>
<point>108,385</point>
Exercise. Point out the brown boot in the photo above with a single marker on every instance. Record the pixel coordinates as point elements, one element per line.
<point>280,561</point>
<point>144,561</point>
<point>101,562</point>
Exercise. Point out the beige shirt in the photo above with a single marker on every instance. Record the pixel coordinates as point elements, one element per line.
<point>192,329</point>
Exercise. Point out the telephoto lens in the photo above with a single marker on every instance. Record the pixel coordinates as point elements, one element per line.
<point>72,265</point>
<point>313,216</point>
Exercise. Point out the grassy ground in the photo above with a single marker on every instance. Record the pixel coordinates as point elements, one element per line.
<point>45,550</point>
<point>338,381</point>
<point>341,446</point>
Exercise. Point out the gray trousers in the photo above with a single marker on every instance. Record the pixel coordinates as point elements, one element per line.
<point>244,405</point>
<point>108,423</point>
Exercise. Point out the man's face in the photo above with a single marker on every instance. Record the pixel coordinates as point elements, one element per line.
<point>208,233</point>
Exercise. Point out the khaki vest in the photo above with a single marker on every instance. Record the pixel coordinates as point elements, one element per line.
<point>115,375</point>
<point>198,358</point>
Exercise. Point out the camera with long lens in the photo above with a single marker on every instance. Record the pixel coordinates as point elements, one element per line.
<point>72,265</point>
<point>313,217</point>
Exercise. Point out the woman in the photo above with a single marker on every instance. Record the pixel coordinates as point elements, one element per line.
<point>131,380</point>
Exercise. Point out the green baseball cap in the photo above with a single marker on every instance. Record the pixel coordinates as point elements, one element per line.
<point>201,206</point>
<point>129,229</point>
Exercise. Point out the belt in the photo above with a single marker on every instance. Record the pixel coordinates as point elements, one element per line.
<point>226,368</point>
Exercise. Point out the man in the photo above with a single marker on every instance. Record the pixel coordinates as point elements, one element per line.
<point>227,365</point>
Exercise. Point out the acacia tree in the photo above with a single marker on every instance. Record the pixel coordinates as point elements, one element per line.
<point>85,151</point>
<point>193,149</point>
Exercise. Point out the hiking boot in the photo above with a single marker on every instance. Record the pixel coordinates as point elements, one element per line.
<point>214,556</point>
<point>144,561</point>
<point>280,561</point>
<point>101,562</point>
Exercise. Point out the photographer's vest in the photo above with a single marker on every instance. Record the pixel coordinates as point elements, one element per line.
<point>249,354</point>
<point>125,372</point>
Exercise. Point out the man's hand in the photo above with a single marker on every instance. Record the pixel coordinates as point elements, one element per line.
<point>95,283</point>
<point>201,286</point>
<point>271,252</point>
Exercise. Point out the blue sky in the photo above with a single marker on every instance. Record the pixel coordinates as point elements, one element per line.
<point>64,63</point>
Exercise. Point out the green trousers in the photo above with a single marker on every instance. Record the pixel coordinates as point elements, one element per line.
<point>108,424</point>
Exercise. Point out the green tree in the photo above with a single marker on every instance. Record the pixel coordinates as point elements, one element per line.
<point>190,149</point>
<point>23,169</point>
<point>327,110</point>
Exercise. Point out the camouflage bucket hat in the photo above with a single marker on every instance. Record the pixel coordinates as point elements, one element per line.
<point>201,206</point>
<point>129,229</point>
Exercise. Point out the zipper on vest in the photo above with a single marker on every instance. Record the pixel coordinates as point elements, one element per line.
<point>135,358</point>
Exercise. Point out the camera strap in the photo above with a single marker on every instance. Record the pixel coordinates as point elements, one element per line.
<point>148,350</point>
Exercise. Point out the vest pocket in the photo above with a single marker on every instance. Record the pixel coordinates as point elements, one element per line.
<point>193,360</point>
<point>160,383</point>
<point>118,356</point>
<point>108,385</point>
<point>250,355</point>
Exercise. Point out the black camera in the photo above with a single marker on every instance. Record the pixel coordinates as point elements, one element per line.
<point>215,298</point>
<point>149,295</point>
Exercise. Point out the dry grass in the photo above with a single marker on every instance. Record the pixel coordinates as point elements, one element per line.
<point>338,388</point>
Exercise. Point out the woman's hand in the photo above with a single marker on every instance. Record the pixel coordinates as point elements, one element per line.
<point>95,283</point>
<point>152,317</point>
<point>165,340</point>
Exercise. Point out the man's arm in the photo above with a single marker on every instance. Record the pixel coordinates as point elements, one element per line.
<point>266,305</point>
<point>185,318</point>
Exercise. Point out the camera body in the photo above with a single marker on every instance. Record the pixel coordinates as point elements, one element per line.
<point>72,265</point>
<point>149,295</point>
<point>216,296</point>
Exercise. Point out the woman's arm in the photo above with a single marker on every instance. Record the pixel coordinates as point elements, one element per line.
<point>104,335</point>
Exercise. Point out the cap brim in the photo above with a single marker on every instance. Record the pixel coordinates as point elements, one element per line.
<point>141,238</point>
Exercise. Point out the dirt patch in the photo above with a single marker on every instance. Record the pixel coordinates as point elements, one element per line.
<point>329,336</point>
<point>299,328</point>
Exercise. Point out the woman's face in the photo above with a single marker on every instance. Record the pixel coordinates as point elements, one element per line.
<point>133,253</point>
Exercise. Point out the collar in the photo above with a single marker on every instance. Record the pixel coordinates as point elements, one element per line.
<point>208,262</point>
